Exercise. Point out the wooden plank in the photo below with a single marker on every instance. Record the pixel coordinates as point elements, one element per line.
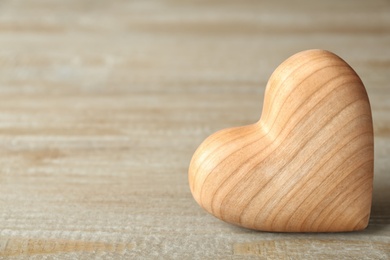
<point>103,104</point>
<point>315,248</point>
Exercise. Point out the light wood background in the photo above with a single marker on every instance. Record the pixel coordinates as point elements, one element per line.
<point>102,104</point>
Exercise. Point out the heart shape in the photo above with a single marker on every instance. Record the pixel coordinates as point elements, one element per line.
<point>306,165</point>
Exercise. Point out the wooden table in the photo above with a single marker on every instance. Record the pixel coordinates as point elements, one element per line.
<point>104,102</point>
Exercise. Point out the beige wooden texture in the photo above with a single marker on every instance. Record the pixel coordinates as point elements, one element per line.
<point>102,104</point>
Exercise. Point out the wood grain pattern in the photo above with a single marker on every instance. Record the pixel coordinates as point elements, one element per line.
<point>316,248</point>
<point>13,247</point>
<point>103,103</point>
<point>306,165</point>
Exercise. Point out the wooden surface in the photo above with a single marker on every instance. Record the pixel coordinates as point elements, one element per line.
<point>104,102</point>
<point>306,165</point>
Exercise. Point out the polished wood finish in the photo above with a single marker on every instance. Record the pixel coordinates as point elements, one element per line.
<point>306,165</point>
<point>103,104</point>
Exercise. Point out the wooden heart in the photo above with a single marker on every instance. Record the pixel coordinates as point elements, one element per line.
<point>306,165</point>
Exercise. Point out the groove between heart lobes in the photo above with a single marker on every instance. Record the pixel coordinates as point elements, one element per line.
<point>306,165</point>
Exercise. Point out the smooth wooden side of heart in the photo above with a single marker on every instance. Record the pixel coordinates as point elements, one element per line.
<point>306,165</point>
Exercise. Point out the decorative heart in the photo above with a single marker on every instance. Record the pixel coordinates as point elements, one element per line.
<point>306,165</point>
